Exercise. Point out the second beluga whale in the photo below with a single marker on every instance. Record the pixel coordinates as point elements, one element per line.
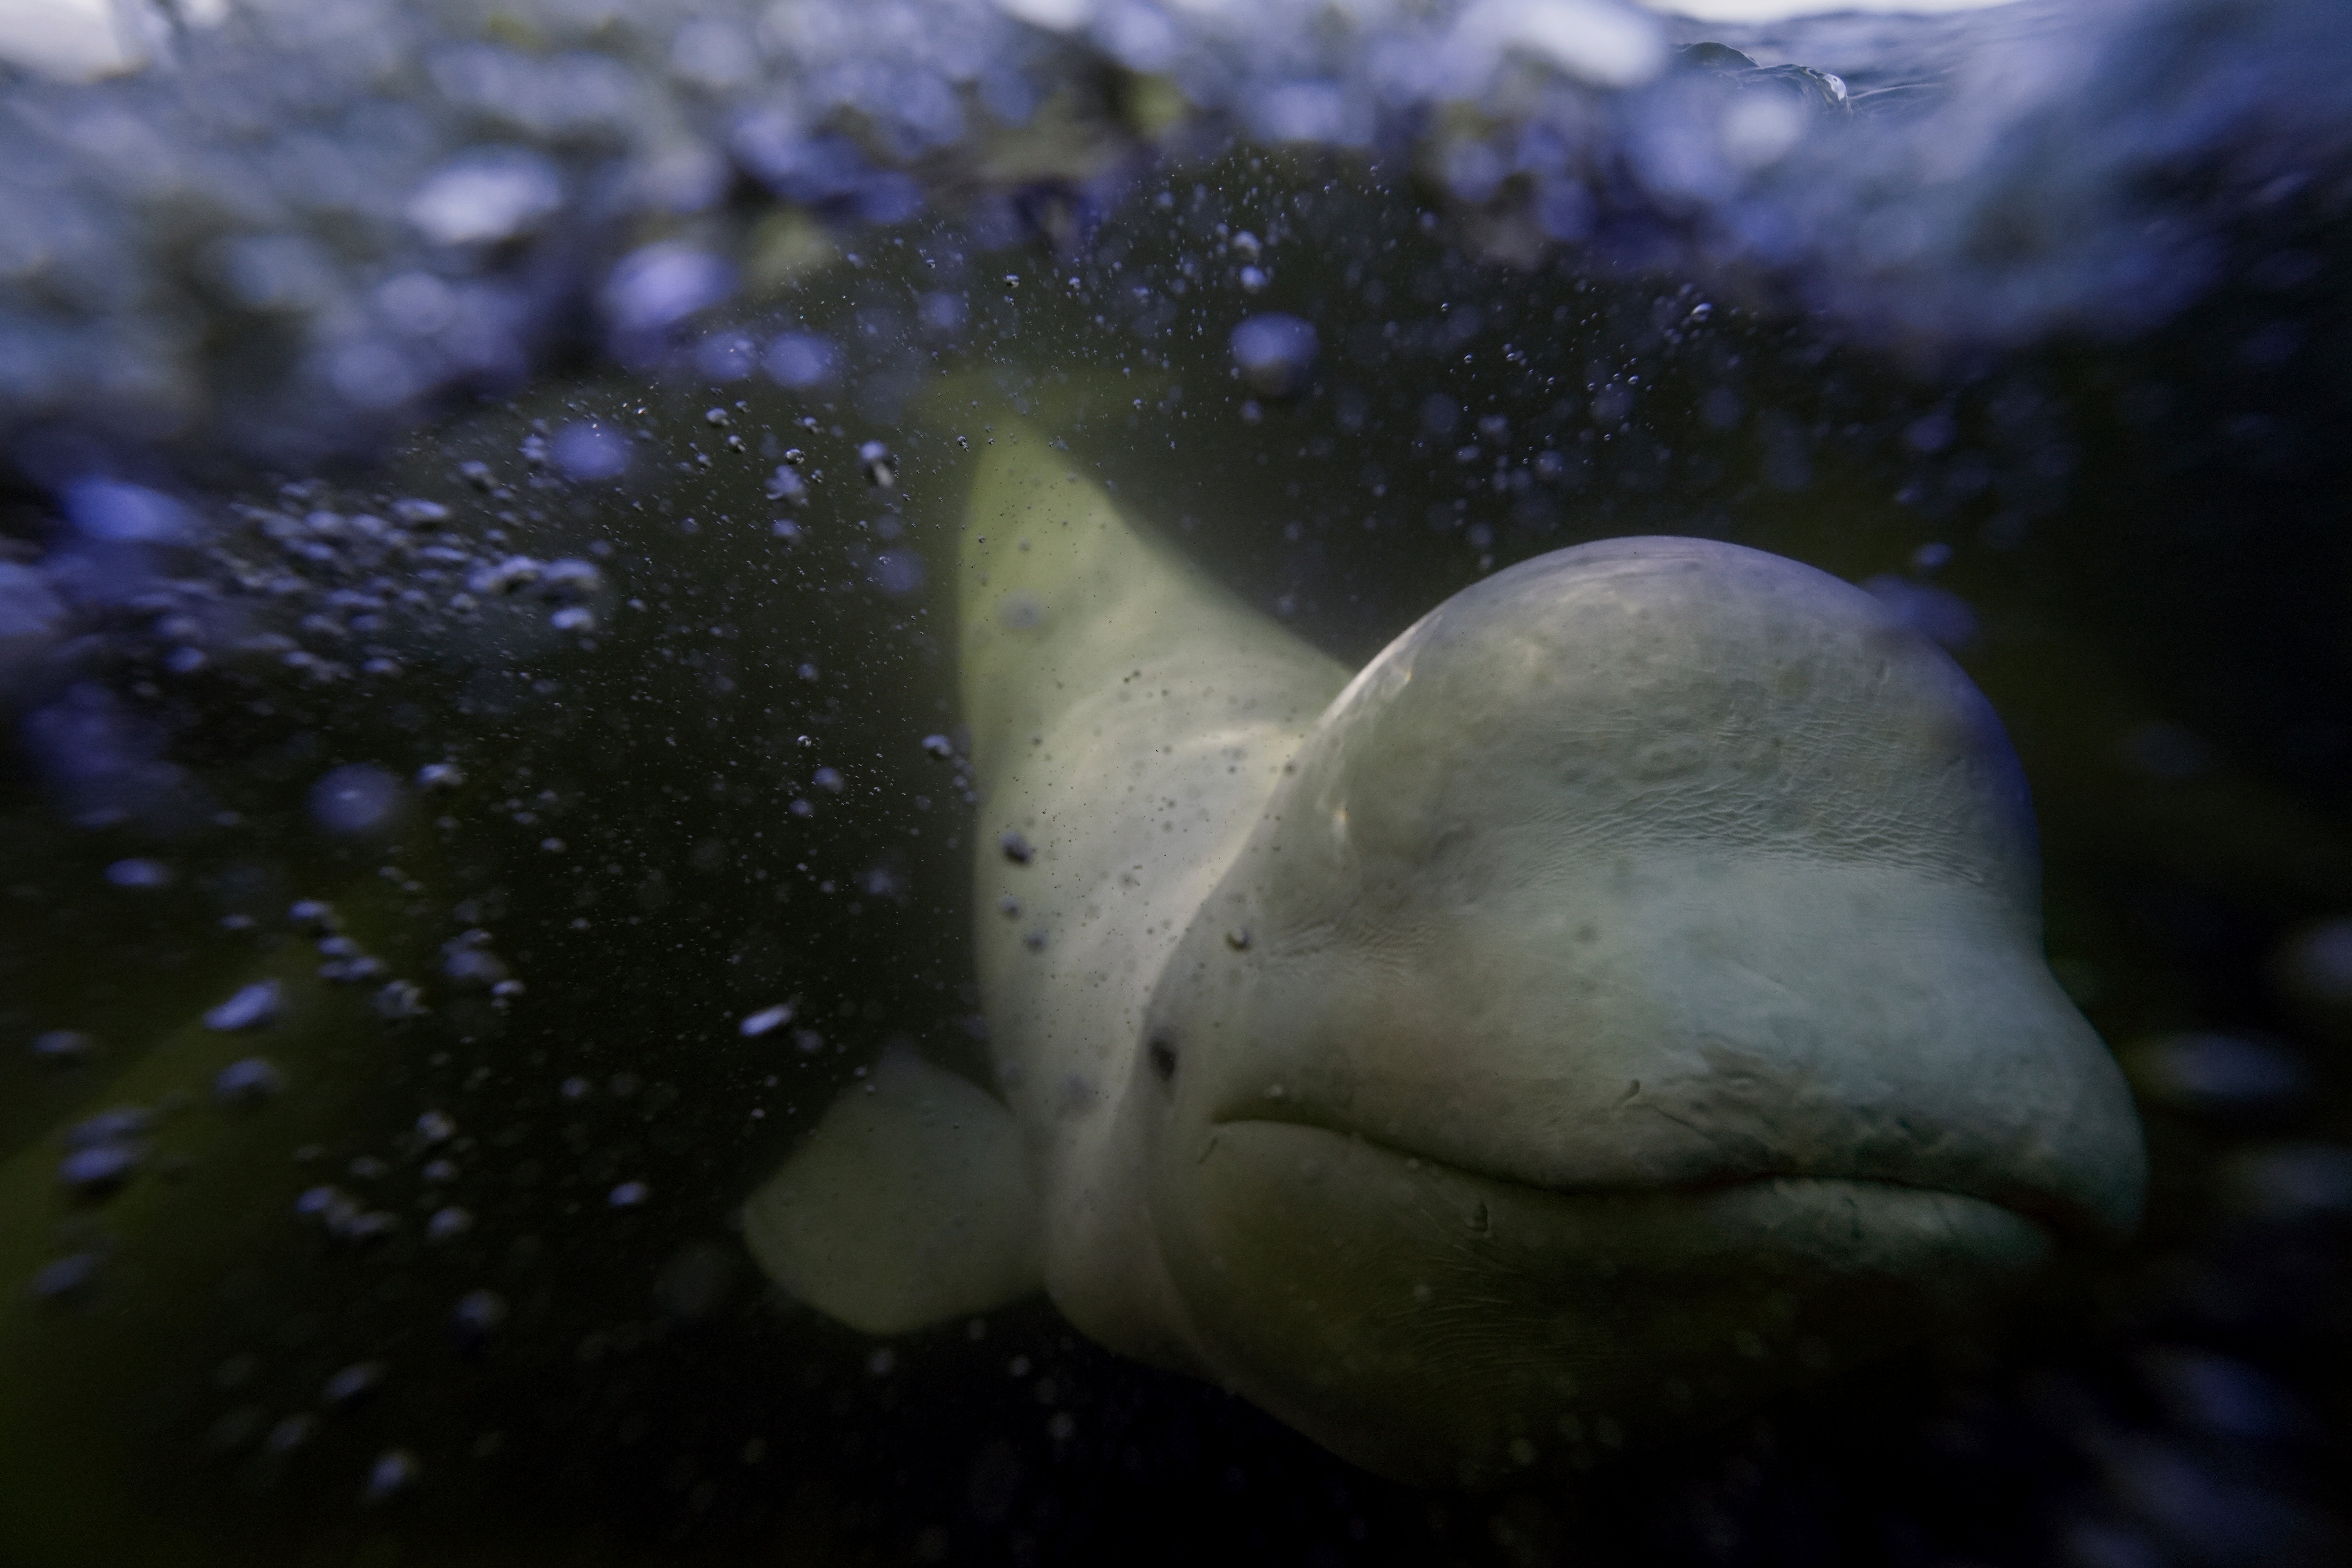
<point>1622,999</point>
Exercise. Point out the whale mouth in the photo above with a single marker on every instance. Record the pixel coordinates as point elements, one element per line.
<point>1429,1321</point>
<point>1758,1197</point>
<point>2056,1214</point>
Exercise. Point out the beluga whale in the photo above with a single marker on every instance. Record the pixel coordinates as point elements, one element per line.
<point>1621,1000</point>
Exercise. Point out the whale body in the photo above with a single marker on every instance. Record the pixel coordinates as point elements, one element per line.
<point>1621,1000</point>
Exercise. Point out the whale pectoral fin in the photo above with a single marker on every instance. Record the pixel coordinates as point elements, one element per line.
<point>913,1202</point>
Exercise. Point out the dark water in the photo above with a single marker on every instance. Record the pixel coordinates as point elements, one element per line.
<point>712,795</point>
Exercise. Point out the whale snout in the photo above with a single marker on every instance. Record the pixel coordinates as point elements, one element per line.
<point>1466,1208</point>
<point>1439,1326</point>
<point>1700,1034</point>
<point>1662,863</point>
<point>1643,1009</point>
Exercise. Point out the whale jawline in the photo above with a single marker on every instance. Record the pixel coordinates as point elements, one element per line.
<point>1427,1322</point>
<point>1799,1210</point>
<point>2048,1226</point>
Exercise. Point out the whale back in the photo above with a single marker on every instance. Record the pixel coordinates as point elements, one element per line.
<point>1129,720</point>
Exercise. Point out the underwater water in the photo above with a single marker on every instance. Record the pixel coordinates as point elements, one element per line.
<point>484,768</point>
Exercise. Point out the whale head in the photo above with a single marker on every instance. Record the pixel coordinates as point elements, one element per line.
<point>1631,1002</point>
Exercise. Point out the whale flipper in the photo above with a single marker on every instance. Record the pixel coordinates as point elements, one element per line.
<point>913,1202</point>
<point>1129,718</point>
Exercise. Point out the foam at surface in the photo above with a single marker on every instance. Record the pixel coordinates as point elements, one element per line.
<point>308,224</point>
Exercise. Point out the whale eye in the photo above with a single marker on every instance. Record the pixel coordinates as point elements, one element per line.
<point>1163,1057</point>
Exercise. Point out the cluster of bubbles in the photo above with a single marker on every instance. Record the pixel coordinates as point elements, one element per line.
<point>305,224</point>
<point>334,598</point>
<point>104,1154</point>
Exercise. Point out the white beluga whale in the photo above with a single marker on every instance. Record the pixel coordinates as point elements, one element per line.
<point>1621,1000</point>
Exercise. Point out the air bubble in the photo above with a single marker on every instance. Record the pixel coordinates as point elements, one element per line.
<point>393,1474</point>
<point>62,1048</point>
<point>129,514</point>
<point>253,1007</point>
<point>400,999</point>
<point>725,356</point>
<point>363,1229</point>
<point>2216,1073</point>
<point>357,798</point>
<point>570,579</point>
<point>766,1020</point>
<point>101,1169</point>
<point>477,1315</point>
<point>655,287</point>
<point>897,573</point>
<point>114,1125</point>
<point>468,961</point>
<point>799,360</point>
<point>510,575</point>
<point>1931,612</point>
<point>249,1082</point>
<point>319,1202</point>
<point>289,1434</point>
<point>484,196</point>
<point>69,1276</point>
<point>313,917</point>
<point>588,452</point>
<point>351,1386</point>
<point>2294,1181</point>
<point>1275,352</point>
